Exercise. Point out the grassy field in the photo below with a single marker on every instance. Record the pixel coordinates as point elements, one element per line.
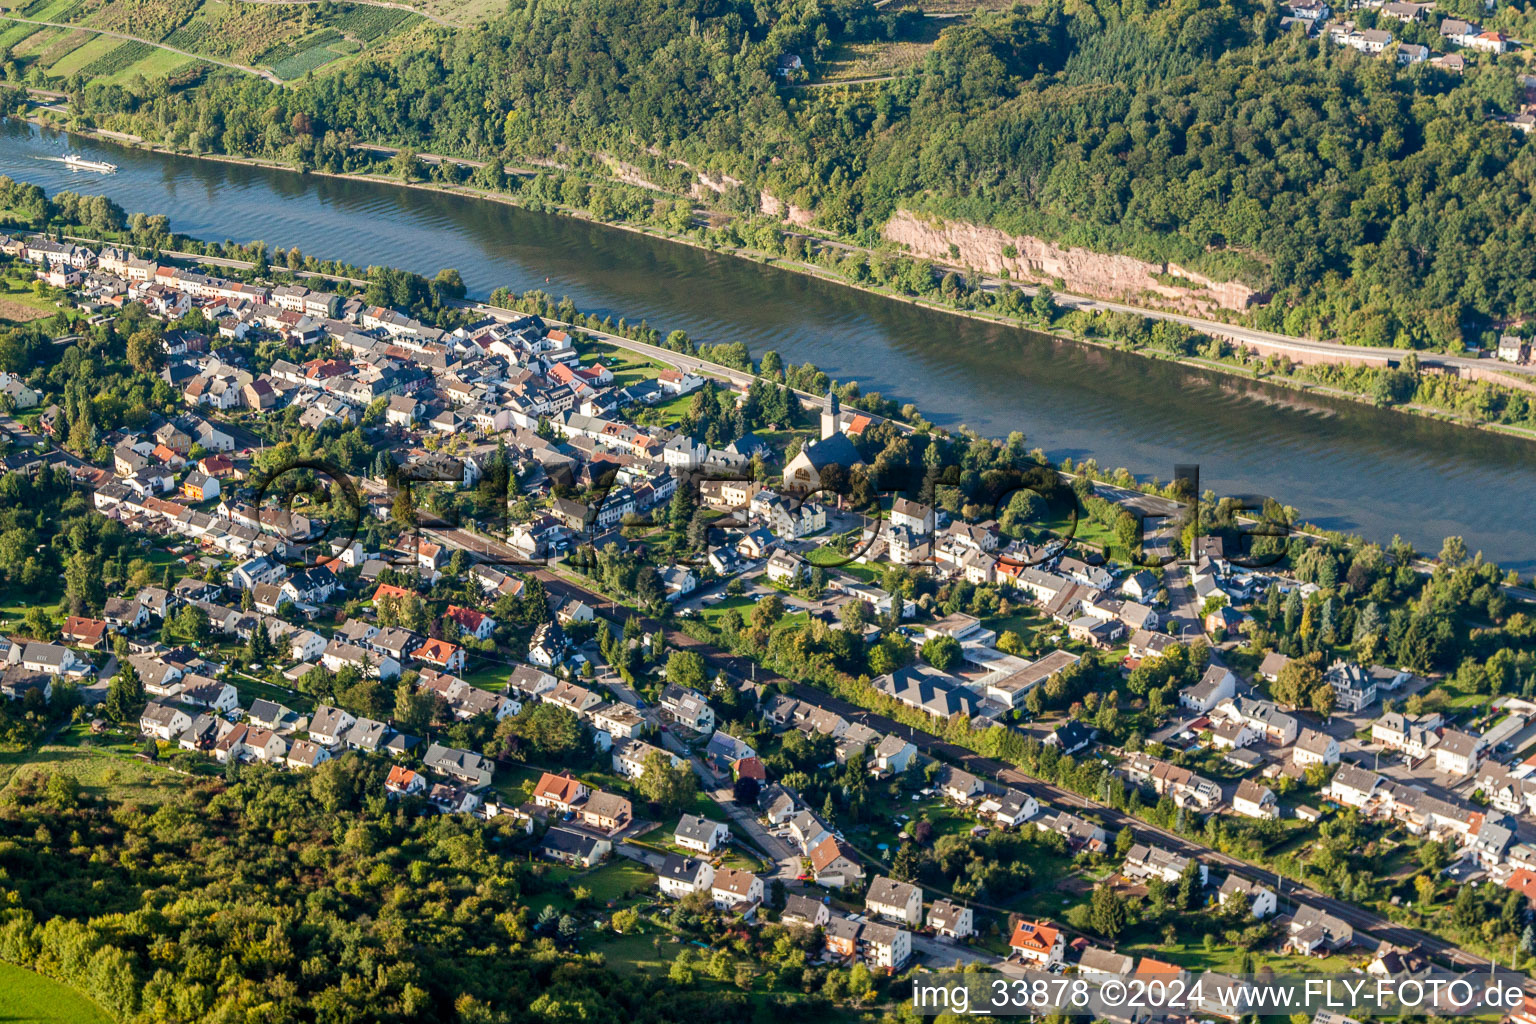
<point>28,998</point>
<point>103,767</point>
<point>628,367</point>
<point>612,880</point>
<point>852,62</point>
<point>80,56</point>
<point>18,311</point>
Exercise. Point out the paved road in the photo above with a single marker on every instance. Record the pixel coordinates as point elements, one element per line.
<point>1360,919</point>
<point>650,858</point>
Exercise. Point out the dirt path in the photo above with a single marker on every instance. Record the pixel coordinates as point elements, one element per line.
<point>269,76</point>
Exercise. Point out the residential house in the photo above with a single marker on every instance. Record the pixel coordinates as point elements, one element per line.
<point>463,765</point>
<point>1458,753</point>
<point>951,920</point>
<point>833,864</point>
<point>572,848</point>
<point>1312,929</point>
<point>1146,861</point>
<point>894,754</point>
<point>1216,685</point>
<point>700,834</point>
<point>1261,899</point>
<point>804,912</point>
<point>1414,735</point>
<point>563,792</point>
<point>1037,943</point>
<point>1354,688</point>
<point>899,901</point>
<point>884,946</point>
<point>736,890</point>
<point>404,782</point>
<point>1315,747</point>
<point>688,708</point>
<point>629,757</point>
<point>306,754</point>
<point>1353,786</point>
<point>681,876</point>
<point>1253,800</point>
<point>606,812</point>
<point>329,724</point>
<point>163,721</point>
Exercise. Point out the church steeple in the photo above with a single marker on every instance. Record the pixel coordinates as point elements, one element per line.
<point>830,414</point>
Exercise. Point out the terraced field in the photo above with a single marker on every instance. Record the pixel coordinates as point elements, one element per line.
<point>290,39</point>
<point>94,47</point>
<point>158,64</point>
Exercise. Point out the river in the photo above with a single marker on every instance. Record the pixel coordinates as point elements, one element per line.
<point>1344,465</point>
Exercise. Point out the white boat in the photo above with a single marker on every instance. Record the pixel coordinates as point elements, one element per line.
<point>79,163</point>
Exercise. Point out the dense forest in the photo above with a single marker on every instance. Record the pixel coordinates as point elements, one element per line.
<point>1378,203</point>
<point>279,898</point>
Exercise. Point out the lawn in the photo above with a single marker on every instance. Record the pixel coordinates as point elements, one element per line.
<point>1088,533</point>
<point>826,555</point>
<point>486,671</point>
<point>628,367</point>
<point>250,688</point>
<point>1227,959</point>
<point>637,951</point>
<point>711,613</point>
<point>28,998</point>
<point>671,411</point>
<point>616,878</point>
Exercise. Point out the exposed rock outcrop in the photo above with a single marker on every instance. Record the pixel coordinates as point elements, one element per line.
<point>774,207</point>
<point>1079,270</point>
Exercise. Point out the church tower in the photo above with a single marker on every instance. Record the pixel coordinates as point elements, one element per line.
<point>830,414</point>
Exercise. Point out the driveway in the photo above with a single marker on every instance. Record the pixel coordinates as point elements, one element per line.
<point>744,818</point>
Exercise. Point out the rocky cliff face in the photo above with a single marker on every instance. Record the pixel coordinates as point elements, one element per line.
<point>774,207</point>
<point>1081,271</point>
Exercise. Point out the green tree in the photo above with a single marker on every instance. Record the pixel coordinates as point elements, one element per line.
<point>942,652</point>
<point>668,787</point>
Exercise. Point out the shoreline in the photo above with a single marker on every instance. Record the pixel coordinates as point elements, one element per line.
<point>1199,363</point>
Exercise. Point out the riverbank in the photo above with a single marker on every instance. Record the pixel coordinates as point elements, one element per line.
<point>1270,372</point>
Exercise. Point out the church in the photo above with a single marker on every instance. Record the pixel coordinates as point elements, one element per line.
<point>805,470</point>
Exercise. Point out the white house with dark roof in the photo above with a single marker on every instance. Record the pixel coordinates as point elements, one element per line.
<point>1253,800</point>
<point>804,912</point>
<point>899,901</point>
<point>681,876</point>
<point>1354,688</point>
<point>1458,753</point>
<point>1315,747</point>
<point>1261,899</point>
<point>329,724</point>
<point>1145,861</point>
<point>951,920</point>
<point>1216,685</point>
<point>163,721</point>
<point>1353,786</point>
<point>688,708</point>
<point>736,889</point>
<point>700,834</point>
<point>462,765</point>
<point>894,754</point>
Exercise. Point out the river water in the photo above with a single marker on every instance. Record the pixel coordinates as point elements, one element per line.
<point>1343,465</point>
